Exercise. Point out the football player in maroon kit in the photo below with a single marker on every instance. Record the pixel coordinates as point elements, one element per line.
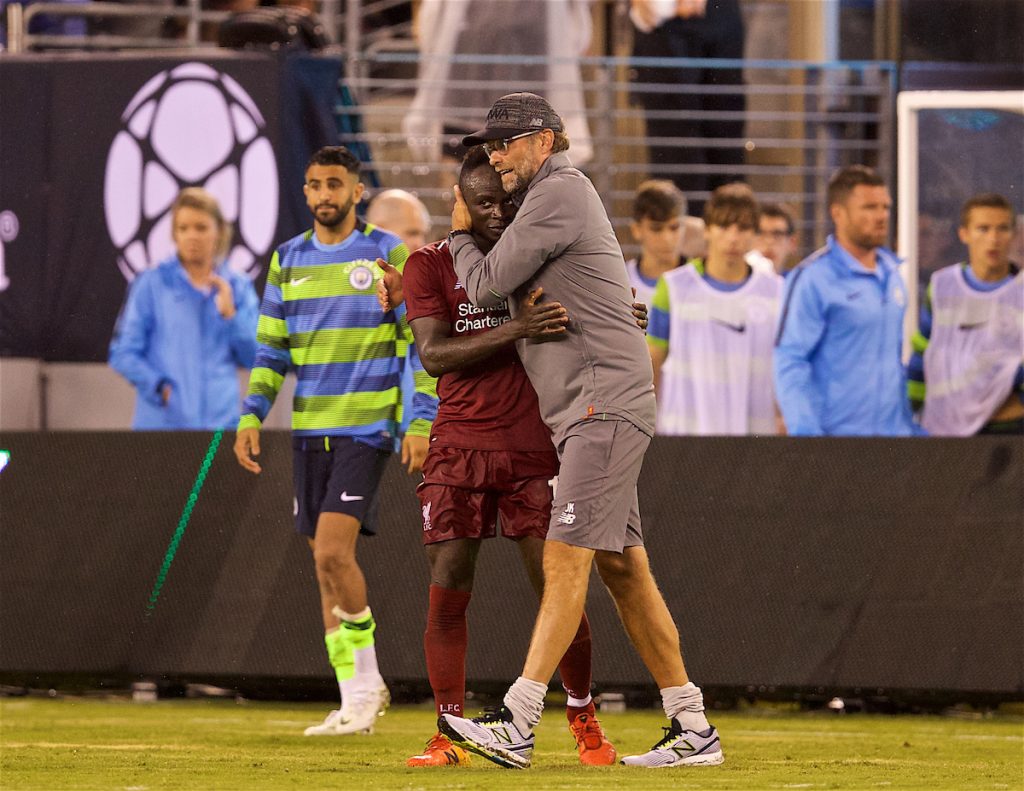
<point>490,456</point>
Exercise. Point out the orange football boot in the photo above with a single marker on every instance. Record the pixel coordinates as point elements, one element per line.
<point>593,747</point>
<point>440,752</point>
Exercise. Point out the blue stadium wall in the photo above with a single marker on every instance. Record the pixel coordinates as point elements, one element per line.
<point>802,564</point>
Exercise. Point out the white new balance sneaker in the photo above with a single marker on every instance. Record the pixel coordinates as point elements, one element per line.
<point>358,713</point>
<point>494,736</point>
<point>681,748</point>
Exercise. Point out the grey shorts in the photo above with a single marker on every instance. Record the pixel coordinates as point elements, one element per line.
<point>595,503</point>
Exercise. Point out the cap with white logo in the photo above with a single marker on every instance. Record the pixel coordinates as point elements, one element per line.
<point>514,114</point>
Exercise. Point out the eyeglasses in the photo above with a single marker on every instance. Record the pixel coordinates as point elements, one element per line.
<point>501,144</point>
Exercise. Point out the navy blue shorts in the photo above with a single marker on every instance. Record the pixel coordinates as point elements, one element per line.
<point>336,475</point>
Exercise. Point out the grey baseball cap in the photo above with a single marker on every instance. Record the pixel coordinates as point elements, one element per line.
<point>514,114</point>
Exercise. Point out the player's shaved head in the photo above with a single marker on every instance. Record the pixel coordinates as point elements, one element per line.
<point>475,159</point>
<point>403,214</point>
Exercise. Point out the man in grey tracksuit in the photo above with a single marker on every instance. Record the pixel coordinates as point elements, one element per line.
<point>595,386</point>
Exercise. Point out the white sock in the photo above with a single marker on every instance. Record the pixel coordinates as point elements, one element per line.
<point>366,664</point>
<point>365,658</point>
<point>351,617</point>
<point>578,703</point>
<point>348,687</point>
<point>685,704</point>
<point>525,699</point>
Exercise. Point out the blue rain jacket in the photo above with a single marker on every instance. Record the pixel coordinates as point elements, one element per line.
<point>170,332</point>
<point>837,362</point>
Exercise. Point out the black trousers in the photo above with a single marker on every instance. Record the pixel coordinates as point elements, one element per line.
<point>719,34</point>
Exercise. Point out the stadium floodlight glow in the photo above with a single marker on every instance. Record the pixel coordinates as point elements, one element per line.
<point>5,457</point>
<point>186,515</point>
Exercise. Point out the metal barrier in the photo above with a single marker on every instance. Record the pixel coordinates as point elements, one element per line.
<point>334,18</point>
<point>20,17</point>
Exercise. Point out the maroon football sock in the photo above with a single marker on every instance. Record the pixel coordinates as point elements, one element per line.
<point>575,667</point>
<point>444,643</point>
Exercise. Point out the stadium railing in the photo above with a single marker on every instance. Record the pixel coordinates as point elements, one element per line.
<point>803,120</point>
<point>19,19</point>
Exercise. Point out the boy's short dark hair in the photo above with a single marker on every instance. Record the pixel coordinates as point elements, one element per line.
<point>984,200</point>
<point>334,156</point>
<point>780,212</point>
<point>732,204</point>
<point>658,200</point>
<point>845,180</point>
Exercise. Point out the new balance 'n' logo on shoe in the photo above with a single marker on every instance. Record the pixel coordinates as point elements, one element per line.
<point>681,748</point>
<point>494,736</point>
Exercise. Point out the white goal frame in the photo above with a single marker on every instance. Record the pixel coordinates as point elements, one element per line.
<point>908,103</point>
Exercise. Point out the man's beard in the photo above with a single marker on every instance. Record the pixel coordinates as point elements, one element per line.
<point>518,185</point>
<point>869,240</point>
<point>335,219</point>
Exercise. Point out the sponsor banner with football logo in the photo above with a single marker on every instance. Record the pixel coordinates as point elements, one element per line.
<point>95,150</point>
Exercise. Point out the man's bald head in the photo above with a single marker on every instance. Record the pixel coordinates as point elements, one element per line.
<point>403,214</point>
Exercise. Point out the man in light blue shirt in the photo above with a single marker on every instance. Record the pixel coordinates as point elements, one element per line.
<point>837,363</point>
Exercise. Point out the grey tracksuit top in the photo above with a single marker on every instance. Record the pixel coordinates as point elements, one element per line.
<point>561,240</point>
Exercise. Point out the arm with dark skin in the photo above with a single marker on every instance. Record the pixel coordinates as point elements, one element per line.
<point>440,352</point>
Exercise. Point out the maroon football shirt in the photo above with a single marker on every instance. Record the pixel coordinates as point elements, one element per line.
<point>490,405</point>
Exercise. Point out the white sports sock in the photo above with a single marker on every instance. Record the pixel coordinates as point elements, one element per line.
<point>366,664</point>
<point>578,703</point>
<point>351,617</point>
<point>525,699</point>
<point>348,687</point>
<point>685,704</point>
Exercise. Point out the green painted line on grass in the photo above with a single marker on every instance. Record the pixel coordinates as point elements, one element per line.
<point>183,521</point>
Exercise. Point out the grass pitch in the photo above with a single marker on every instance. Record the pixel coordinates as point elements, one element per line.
<point>114,744</point>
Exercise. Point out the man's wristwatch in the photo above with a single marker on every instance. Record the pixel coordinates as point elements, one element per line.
<point>457,232</point>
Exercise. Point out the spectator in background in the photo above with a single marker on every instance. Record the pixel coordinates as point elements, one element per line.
<point>776,237</point>
<point>659,213</point>
<point>187,326</point>
<point>838,367</point>
<point>691,29</point>
<point>451,98</point>
<point>969,348</point>
<point>711,331</point>
<point>403,214</point>
<point>45,24</point>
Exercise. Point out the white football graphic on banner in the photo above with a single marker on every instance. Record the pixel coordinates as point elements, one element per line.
<point>190,126</point>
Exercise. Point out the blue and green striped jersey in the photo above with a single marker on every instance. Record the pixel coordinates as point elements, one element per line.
<point>320,317</point>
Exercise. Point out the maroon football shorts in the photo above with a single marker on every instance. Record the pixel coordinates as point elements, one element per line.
<point>465,492</point>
